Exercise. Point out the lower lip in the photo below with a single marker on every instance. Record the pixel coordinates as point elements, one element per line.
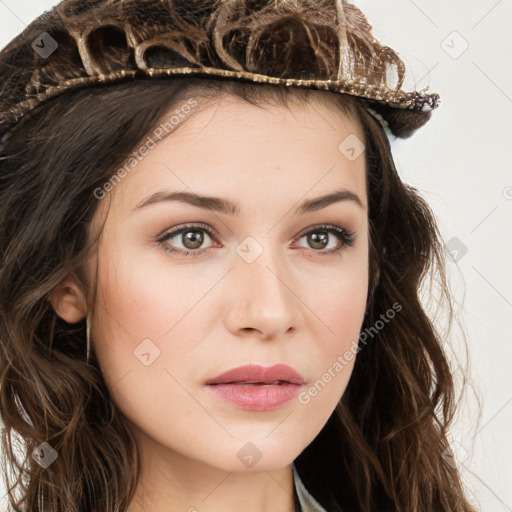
<point>255,397</point>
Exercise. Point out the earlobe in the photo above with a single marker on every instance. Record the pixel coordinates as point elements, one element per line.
<point>68,301</point>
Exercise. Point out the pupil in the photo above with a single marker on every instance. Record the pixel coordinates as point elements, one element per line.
<point>314,240</point>
<point>195,238</point>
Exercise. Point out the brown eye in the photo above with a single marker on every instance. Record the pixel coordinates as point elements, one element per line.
<point>192,239</point>
<point>186,240</point>
<point>318,239</point>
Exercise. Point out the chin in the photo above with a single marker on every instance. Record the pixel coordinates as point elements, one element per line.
<point>253,456</point>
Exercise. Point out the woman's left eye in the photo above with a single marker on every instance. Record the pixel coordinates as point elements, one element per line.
<point>319,236</point>
<point>192,238</point>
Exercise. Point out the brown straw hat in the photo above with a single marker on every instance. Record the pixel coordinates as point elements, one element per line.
<point>79,43</point>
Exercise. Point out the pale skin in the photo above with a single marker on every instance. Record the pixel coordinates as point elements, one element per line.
<point>216,311</point>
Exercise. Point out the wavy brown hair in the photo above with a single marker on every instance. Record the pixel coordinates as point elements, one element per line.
<point>384,446</point>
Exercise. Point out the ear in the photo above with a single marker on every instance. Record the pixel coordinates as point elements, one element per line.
<point>69,301</point>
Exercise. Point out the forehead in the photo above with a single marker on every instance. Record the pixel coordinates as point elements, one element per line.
<point>241,96</point>
<point>236,96</point>
<point>266,150</point>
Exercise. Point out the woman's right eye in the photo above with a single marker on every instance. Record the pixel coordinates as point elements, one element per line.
<point>191,238</point>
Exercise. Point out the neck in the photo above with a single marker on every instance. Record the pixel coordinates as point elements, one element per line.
<point>172,482</point>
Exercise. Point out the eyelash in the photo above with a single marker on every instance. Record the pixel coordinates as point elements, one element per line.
<point>347,238</point>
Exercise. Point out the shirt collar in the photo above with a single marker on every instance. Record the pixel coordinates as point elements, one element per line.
<point>306,501</point>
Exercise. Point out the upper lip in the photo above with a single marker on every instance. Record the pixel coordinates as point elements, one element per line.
<point>259,374</point>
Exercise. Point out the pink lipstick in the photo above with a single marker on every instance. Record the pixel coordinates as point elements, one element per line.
<point>257,388</point>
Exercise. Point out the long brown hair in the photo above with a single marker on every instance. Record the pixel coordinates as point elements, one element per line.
<point>383,447</point>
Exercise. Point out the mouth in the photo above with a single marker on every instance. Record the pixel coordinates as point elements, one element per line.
<point>252,374</point>
<point>256,388</point>
<point>253,383</point>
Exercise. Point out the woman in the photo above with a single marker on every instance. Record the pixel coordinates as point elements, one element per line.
<point>210,269</point>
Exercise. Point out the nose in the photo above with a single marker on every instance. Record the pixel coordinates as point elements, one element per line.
<point>264,297</point>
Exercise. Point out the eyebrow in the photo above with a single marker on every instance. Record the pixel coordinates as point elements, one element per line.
<point>226,206</point>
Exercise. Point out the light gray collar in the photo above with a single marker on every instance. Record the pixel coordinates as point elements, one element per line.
<point>307,502</point>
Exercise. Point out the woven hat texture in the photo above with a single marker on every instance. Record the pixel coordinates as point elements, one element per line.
<point>318,44</point>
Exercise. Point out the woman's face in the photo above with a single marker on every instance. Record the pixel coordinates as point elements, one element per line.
<point>264,285</point>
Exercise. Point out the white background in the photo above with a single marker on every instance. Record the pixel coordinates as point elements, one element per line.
<point>461,163</point>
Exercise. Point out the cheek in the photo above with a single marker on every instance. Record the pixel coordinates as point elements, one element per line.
<point>147,318</point>
<point>332,355</point>
<point>347,302</point>
<point>139,342</point>
<point>337,294</point>
<point>339,310</point>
